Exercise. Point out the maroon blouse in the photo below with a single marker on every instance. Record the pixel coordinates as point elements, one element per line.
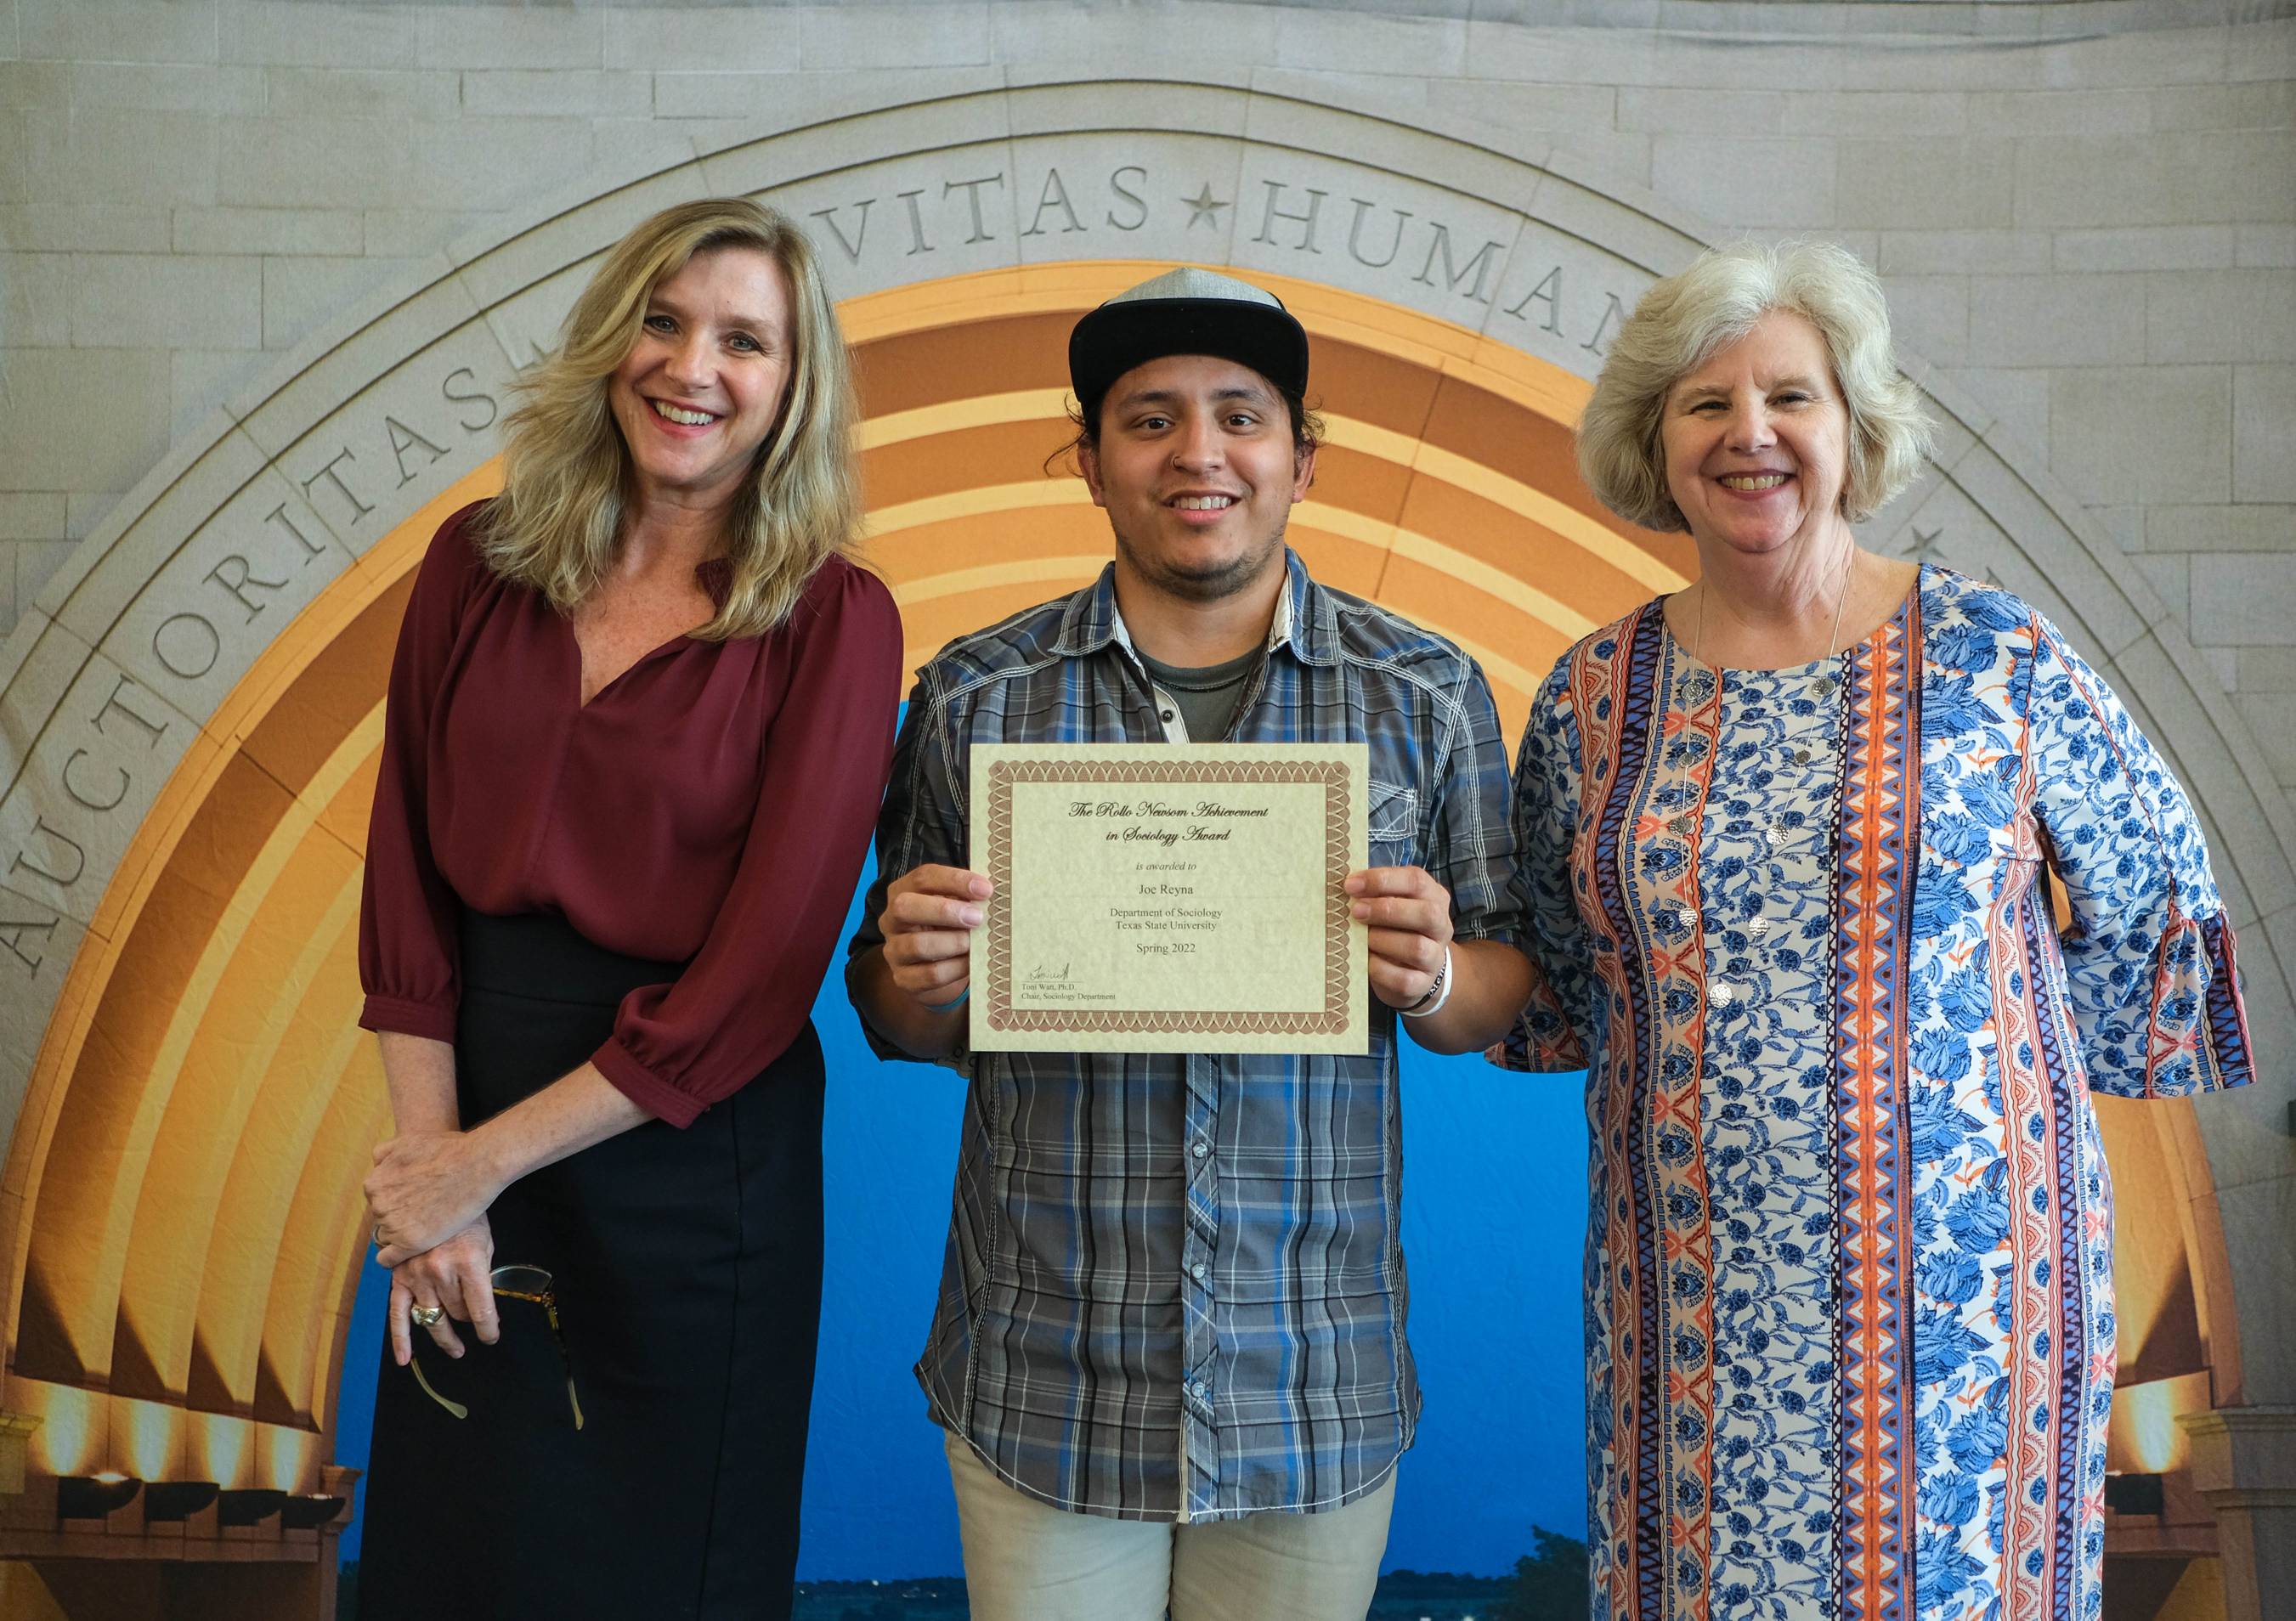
<point>712,803</point>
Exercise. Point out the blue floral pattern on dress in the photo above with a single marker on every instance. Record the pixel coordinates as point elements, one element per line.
<point>1766,854</point>
<point>1974,1492</point>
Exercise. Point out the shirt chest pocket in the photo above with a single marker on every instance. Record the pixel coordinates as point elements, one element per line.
<point>1394,825</point>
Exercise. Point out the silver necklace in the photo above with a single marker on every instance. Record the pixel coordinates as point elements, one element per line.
<point>1825,684</point>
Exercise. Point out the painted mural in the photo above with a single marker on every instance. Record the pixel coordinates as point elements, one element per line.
<point>193,712</point>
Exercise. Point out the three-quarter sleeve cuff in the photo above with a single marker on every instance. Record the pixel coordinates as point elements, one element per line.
<point>644,1088</point>
<point>1543,1040</point>
<point>2224,1014</point>
<point>2188,1035</point>
<point>1535,1047</point>
<point>405,1016</point>
<point>2197,1033</point>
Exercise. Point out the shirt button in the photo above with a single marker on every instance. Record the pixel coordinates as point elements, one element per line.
<point>1198,1271</point>
<point>1801,757</point>
<point>1199,1148</point>
<point>1720,994</point>
<point>1203,1391</point>
<point>1167,714</point>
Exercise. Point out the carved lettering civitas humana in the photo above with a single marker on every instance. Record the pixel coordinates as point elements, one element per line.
<point>371,456</point>
<point>38,944</point>
<point>1563,299</point>
<point>223,592</point>
<point>204,618</point>
<point>1486,268</point>
<point>207,614</point>
<point>368,433</point>
<point>1452,257</point>
<point>72,810</point>
<point>27,936</point>
<point>1500,274</point>
<point>1543,304</point>
<point>969,209</point>
<point>1376,237</point>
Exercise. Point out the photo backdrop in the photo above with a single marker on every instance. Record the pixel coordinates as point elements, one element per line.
<point>1493,1220</point>
<point>189,703</point>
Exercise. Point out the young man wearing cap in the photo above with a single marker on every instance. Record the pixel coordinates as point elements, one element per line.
<point>1168,1354</point>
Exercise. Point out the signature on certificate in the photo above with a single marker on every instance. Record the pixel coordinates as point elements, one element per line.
<point>1043,974</point>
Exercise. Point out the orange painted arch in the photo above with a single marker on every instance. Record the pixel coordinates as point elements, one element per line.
<point>181,1216</point>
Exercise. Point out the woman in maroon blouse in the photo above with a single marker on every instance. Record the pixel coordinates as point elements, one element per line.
<point>639,722</point>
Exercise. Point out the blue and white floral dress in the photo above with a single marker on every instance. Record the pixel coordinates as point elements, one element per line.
<point>1849,1276</point>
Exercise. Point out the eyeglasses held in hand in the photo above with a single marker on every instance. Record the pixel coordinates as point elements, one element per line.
<point>516,1283</point>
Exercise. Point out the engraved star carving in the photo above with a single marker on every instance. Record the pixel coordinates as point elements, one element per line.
<point>1204,206</point>
<point>1925,548</point>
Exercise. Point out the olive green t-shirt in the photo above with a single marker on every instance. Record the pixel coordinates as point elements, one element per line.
<point>1209,698</point>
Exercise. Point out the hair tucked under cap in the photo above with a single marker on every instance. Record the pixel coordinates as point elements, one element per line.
<point>1187,311</point>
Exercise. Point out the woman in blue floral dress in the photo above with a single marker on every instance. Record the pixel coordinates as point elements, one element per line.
<point>1793,845</point>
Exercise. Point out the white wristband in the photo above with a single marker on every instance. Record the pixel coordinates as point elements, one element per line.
<point>1438,992</point>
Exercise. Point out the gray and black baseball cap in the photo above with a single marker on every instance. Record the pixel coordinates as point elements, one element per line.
<point>1187,311</point>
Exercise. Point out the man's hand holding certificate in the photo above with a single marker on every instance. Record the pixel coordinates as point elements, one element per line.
<point>1183,894</point>
<point>1160,965</point>
<point>1171,898</point>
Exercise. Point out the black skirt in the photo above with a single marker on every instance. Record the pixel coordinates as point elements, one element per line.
<point>687,1267</point>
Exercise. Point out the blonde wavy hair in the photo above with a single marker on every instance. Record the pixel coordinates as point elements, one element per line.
<point>1683,320</point>
<point>567,476</point>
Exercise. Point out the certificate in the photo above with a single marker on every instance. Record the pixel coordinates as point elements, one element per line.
<point>1160,897</point>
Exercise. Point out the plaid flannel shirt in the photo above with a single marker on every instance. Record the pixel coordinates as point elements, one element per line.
<point>1174,1289</point>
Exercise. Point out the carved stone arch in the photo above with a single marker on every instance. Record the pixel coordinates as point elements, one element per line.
<point>188,713</point>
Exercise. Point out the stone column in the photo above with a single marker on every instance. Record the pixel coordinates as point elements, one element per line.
<point>2244,1467</point>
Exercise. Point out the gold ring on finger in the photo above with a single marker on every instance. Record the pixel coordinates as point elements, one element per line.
<point>428,1316</point>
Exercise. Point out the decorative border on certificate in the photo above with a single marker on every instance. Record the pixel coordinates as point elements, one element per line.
<point>1338,814</point>
<point>1169,897</point>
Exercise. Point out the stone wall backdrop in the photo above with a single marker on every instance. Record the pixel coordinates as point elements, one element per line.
<point>2085,212</point>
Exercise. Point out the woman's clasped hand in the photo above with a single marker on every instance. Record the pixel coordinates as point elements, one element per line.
<point>638,724</point>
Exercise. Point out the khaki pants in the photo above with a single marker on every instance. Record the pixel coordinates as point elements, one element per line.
<point>1025,1561</point>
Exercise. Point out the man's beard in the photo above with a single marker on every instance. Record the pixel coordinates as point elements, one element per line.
<point>1212,583</point>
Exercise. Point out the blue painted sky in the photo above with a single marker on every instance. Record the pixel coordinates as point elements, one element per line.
<point>1493,1218</point>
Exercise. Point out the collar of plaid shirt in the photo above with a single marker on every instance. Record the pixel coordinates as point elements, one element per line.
<point>1174,1289</point>
<point>1093,619</point>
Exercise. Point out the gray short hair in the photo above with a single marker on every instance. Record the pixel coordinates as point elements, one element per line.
<point>1683,320</point>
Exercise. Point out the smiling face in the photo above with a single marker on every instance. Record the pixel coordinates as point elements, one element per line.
<point>1756,439</point>
<point>1196,467</point>
<point>701,388</point>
